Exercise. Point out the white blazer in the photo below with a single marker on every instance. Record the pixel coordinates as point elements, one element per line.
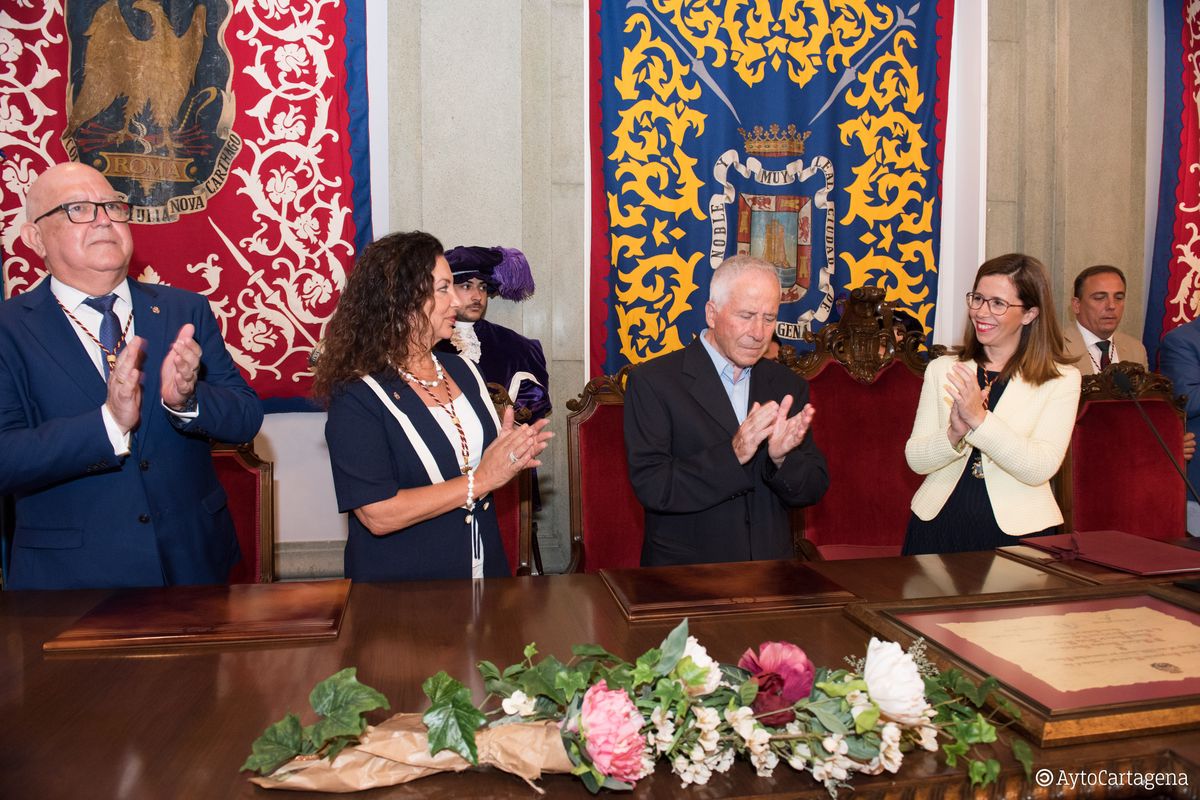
<point>1022,444</point>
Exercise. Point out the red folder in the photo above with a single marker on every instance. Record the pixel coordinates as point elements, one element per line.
<point>1120,551</point>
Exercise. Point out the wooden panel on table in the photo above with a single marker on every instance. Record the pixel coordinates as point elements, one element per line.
<point>701,589</point>
<point>198,616</point>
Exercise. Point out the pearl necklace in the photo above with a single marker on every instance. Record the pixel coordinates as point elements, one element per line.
<point>437,367</point>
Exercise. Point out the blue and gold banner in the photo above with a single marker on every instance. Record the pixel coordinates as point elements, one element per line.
<point>805,132</point>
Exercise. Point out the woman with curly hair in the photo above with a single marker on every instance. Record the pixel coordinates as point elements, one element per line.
<point>414,440</point>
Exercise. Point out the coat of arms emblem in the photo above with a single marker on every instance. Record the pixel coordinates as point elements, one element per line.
<point>148,100</point>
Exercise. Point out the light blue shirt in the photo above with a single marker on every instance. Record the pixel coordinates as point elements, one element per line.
<point>738,390</point>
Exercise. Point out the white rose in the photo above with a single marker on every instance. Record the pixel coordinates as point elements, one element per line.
<point>894,683</point>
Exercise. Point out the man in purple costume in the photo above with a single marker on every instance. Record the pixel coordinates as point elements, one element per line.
<point>502,355</point>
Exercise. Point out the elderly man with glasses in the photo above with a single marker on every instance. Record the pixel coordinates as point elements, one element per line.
<point>110,391</point>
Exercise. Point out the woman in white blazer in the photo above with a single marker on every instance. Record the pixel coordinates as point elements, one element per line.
<point>994,420</point>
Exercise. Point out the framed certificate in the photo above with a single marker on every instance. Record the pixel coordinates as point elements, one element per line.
<point>1081,664</point>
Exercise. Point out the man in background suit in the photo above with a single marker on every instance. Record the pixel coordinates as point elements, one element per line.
<point>1099,304</point>
<point>104,434</point>
<point>1094,341</point>
<point>717,438</point>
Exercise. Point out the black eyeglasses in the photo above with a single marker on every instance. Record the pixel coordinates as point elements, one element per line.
<point>998,306</point>
<point>82,212</point>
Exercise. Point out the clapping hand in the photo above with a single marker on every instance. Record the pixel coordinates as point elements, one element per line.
<point>516,448</point>
<point>181,369</point>
<point>769,422</point>
<point>125,386</point>
<point>787,434</point>
<point>969,403</point>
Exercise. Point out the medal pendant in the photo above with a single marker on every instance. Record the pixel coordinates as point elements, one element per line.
<point>112,361</point>
<point>977,469</point>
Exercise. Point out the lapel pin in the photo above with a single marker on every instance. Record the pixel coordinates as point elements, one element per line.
<point>154,309</point>
<point>396,395</point>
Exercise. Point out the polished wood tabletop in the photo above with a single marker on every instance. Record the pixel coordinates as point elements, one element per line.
<point>179,724</point>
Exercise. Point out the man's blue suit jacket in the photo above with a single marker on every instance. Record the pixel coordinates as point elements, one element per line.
<point>1179,360</point>
<point>87,518</point>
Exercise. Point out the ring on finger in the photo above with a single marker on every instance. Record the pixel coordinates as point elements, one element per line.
<point>512,459</point>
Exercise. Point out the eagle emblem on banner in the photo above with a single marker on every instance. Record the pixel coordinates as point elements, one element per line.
<point>148,101</point>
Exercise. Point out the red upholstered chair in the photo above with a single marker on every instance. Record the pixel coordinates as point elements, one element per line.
<point>514,502</point>
<point>1116,476</point>
<point>250,487</point>
<point>607,521</point>
<point>865,388</point>
<point>514,512</point>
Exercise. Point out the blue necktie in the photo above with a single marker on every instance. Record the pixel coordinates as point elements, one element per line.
<point>110,328</point>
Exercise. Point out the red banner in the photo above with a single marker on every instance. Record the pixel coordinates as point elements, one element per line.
<point>228,129</point>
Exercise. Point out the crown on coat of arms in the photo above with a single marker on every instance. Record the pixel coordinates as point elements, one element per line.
<point>774,140</point>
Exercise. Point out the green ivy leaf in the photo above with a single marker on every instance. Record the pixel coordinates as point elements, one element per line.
<point>862,748</point>
<point>592,651</point>
<point>488,671</point>
<point>452,718</point>
<point>691,675</point>
<point>542,680</point>
<point>983,772</point>
<point>747,692</point>
<point>338,745</point>
<point>570,682</point>
<point>866,720</point>
<point>646,669</point>
<point>828,714</point>
<point>672,648</point>
<point>1024,754</point>
<point>976,730</point>
<point>841,688</point>
<point>953,751</point>
<point>341,701</point>
<point>278,744</point>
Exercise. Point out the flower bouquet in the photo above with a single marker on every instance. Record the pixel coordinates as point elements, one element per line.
<point>609,721</point>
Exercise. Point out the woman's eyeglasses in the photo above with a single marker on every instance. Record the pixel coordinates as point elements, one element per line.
<point>997,306</point>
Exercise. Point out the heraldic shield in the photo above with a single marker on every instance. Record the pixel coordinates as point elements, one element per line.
<point>778,229</point>
<point>148,100</point>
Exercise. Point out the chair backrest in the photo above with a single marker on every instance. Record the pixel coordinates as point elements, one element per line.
<point>250,486</point>
<point>607,521</point>
<point>1116,476</point>
<point>514,502</point>
<point>864,379</point>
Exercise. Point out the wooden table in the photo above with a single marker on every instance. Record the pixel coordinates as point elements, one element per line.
<point>178,725</point>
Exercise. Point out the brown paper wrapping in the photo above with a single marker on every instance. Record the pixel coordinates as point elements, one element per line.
<point>397,751</point>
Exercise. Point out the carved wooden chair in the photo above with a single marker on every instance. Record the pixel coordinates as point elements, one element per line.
<point>607,521</point>
<point>1115,475</point>
<point>864,375</point>
<point>249,484</point>
<point>514,504</point>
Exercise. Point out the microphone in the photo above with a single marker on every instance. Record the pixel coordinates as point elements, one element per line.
<point>1127,390</point>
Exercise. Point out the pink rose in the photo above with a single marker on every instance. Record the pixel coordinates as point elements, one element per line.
<point>784,675</point>
<point>612,733</point>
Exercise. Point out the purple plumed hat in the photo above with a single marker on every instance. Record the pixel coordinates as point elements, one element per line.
<point>504,269</point>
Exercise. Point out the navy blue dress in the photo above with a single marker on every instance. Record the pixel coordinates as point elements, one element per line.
<point>373,457</point>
